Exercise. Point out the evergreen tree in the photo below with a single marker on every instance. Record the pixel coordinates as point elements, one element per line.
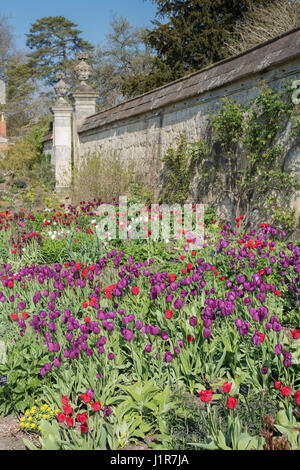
<point>54,41</point>
<point>191,35</point>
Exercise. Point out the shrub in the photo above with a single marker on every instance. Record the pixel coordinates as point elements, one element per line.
<point>102,177</point>
<point>25,152</point>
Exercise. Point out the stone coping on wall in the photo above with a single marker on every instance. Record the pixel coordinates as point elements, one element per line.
<point>261,58</point>
<point>48,136</point>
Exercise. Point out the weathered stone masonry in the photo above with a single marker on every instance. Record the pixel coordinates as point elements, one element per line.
<point>142,129</point>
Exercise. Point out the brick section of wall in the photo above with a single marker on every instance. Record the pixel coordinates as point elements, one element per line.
<point>2,128</point>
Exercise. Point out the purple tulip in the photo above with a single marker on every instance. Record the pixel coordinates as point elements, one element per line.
<point>168,357</point>
<point>193,321</point>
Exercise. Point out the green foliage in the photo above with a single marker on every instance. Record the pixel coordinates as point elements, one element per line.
<point>101,177</point>
<point>257,128</point>
<point>54,41</point>
<point>191,35</point>
<point>180,164</point>
<point>54,250</point>
<point>26,153</point>
<point>123,55</point>
<point>209,215</point>
<point>140,194</point>
<point>288,425</point>
<point>228,123</point>
<point>24,384</point>
<point>235,439</point>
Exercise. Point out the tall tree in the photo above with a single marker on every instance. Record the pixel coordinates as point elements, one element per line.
<point>7,45</point>
<point>187,36</point>
<point>54,41</point>
<point>123,54</point>
<point>24,104</point>
<point>27,103</point>
<point>261,24</point>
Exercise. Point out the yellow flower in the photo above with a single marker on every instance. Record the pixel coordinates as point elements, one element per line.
<point>29,418</point>
<point>23,418</point>
<point>56,411</point>
<point>39,428</point>
<point>27,425</point>
<point>22,425</point>
<point>26,413</point>
<point>32,425</point>
<point>45,416</point>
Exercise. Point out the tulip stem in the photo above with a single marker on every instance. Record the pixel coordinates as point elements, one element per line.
<point>251,416</point>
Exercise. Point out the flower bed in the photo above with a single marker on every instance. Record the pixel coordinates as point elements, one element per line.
<point>125,339</point>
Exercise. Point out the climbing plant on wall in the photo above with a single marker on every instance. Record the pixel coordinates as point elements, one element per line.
<point>252,140</point>
<point>258,128</point>
<point>179,169</point>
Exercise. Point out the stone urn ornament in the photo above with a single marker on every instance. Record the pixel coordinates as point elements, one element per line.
<point>61,88</point>
<point>83,70</point>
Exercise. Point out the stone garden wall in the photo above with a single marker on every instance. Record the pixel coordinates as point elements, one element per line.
<point>142,129</point>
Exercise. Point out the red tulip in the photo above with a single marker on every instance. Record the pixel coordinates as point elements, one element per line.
<point>296,334</point>
<point>81,418</point>
<point>205,395</point>
<point>286,391</point>
<point>84,428</point>
<point>70,422</point>
<point>169,314</point>
<point>135,290</point>
<point>61,417</point>
<point>227,387</point>
<point>65,400</point>
<point>96,406</point>
<point>231,403</point>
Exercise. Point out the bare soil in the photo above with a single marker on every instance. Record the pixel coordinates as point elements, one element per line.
<point>11,437</point>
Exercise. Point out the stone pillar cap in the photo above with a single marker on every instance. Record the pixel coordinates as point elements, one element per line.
<point>62,104</point>
<point>84,89</point>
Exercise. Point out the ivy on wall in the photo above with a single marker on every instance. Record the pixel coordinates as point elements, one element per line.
<point>179,168</point>
<point>250,157</point>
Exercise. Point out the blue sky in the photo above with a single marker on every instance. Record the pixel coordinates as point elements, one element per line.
<point>91,16</point>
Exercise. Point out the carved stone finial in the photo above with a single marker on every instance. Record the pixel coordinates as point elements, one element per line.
<point>61,87</point>
<point>83,70</point>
